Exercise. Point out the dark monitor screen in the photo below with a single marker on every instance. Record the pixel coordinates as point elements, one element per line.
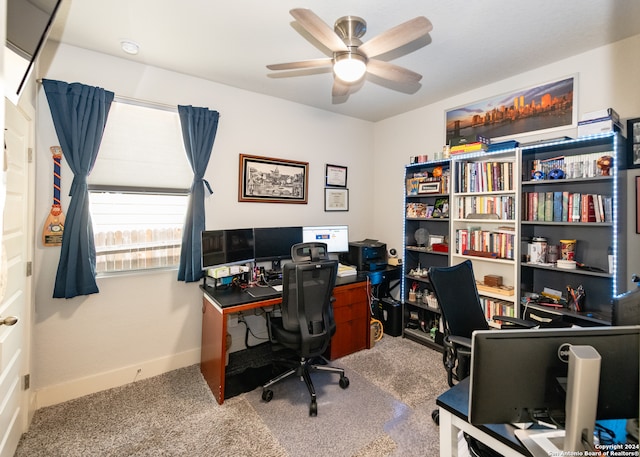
<point>514,373</point>
<point>213,252</point>
<point>274,243</point>
<point>336,237</point>
<point>221,247</point>
<point>625,308</point>
<point>239,244</point>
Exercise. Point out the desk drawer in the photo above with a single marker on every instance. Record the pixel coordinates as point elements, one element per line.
<point>350,312</point>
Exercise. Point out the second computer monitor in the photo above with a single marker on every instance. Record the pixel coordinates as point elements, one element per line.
<point>335,236</point>
<point>274,243</point>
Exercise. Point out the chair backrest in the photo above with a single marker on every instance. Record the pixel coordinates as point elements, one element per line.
<point>309,252</point>
<point>307,290</point>
<point>456,291</point>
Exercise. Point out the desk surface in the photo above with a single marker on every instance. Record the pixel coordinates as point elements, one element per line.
<point>235,296</point>
<point>456,401</point>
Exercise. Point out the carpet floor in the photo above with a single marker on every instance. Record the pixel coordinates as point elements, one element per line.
<point>385,411</point>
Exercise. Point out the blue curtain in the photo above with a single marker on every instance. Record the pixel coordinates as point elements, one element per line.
<point>199,127</point>
<point>79,115</point>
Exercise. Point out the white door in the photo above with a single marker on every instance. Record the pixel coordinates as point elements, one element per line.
<point>14,291</point>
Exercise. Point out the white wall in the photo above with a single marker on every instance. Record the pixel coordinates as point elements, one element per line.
<point>152,321</point>
<point>607,77</point>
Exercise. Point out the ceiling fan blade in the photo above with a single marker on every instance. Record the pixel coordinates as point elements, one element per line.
<point>318,29</point>
<point>392,72</point>
<point>340,89</point>
<point>397,36</point>
<point>312,63</point>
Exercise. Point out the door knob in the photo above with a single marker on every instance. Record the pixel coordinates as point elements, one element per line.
<point>9,320</point>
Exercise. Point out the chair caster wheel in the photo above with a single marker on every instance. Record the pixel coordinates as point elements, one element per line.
<point>344,382</point>
<point>313,409</point>
<point>435,415</point>
<point>267,395</point>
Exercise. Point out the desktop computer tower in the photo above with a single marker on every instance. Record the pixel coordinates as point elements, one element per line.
<point>389,312</point>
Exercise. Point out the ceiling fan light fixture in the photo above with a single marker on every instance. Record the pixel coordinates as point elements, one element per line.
<point>349,66</point>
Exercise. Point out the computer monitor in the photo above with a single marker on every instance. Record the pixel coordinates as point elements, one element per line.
<point>223,247</point>
<point>335,236</point>
<point>515,374</point>
<point>274,243</point>
<point>625,308</point>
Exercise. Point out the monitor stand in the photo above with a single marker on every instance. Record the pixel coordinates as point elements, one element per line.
<point>580,408</point>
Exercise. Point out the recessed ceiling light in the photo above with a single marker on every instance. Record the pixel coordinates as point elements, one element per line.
<point>130,47</point>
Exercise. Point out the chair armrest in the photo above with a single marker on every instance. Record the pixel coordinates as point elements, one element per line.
<point>460,340</point>
<point>515,322</point>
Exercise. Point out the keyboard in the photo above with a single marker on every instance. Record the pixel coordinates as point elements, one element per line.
<point>277,287</point>
<point>261,291</point>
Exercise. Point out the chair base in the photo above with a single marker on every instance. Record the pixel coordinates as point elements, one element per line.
<point>303,368</point>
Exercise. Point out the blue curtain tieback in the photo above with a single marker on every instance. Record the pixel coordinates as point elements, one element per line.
<point>205,182</point>
<point>79,182</point>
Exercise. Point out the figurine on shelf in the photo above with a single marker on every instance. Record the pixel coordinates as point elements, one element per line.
<point>604,163</point>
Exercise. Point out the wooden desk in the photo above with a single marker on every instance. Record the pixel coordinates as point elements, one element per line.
<point>454,410</point>
<point>351,312</point>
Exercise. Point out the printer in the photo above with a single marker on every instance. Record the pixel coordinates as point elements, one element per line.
<point>366,255</point>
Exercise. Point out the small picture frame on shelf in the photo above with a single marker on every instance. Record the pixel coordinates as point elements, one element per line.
<point>429,187</point>
<point>429,212</point>
<point>633,143</point>
<point>441,207</point>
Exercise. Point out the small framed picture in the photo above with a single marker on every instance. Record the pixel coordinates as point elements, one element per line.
<point>336,199</point>
<point>441,207</point>
<point>633,140</point>
<point>335,176</point>
<point>429,187</point>
<point>429,212</point>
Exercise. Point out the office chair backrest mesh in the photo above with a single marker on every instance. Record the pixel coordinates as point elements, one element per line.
<point>307,303</point>
<point>455,289</point>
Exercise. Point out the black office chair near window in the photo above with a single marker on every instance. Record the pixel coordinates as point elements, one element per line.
<point>307,323</point>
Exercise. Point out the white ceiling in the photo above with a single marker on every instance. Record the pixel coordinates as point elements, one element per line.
<point>472,44</point>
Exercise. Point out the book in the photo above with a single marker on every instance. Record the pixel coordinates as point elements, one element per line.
<point>548,207</point>
<point>565,206</point>
<point>557,206</point>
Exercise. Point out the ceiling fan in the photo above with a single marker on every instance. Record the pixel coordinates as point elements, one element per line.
<point>351,57</point>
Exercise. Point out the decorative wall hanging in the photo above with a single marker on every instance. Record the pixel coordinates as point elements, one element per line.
<point>633,139</point>
<point>268,180</point>
<point>547,107</point>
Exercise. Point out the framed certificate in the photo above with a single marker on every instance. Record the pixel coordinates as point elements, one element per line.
<point>336,199</point>
<point>335,176</point>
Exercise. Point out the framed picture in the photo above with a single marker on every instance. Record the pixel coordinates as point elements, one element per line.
<point>335,176</point>
<point>637,204</point>
<point>543,108</point>
<point>633,141</point>
<point>429,212</point>
<point>268,180</point>
<point>429,187</point>
<point>441,207</point>
<point>336,199</point>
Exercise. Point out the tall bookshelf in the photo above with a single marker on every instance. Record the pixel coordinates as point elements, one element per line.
<point>484,225</point>
<point>492,224</point>
<point>426,229</point>
<point>593,215</point>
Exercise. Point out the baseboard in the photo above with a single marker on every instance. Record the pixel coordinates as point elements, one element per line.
<point>60,393</point>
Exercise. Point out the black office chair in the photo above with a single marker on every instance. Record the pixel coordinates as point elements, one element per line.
<point>307,323</point>
<point>462,314</point>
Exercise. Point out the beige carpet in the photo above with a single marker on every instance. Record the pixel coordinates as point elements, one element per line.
<point>386,411</point>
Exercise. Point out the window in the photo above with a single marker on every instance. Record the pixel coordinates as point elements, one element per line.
<point>139,190</point>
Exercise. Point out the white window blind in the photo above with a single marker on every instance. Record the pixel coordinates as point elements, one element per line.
<point>138,190</point>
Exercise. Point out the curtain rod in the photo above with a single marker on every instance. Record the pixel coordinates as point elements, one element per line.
<point>138,102</point>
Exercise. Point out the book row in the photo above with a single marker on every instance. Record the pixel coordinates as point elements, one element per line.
<point>566,207</point>
<point>484,177</point>
<point>485,243</point>
<point>502,206</point>
<point>493,307</point>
